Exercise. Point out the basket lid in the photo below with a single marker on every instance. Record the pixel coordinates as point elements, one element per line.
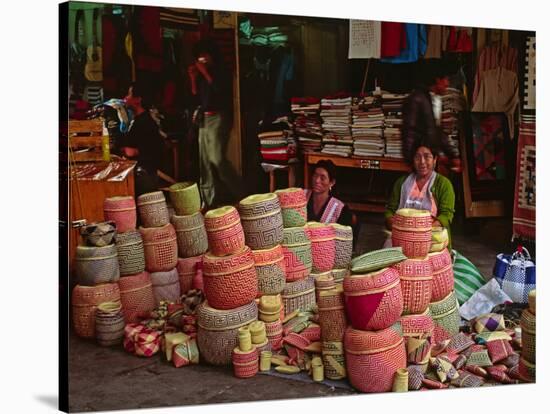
<point>219,212</point>
<point>411,212</point>
<point>257,198</point>
<point>186,185</point>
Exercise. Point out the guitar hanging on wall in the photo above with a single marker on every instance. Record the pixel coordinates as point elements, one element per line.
<point>94,63</point>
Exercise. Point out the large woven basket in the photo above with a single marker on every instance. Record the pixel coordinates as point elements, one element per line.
<point>259,205</point>
<point>185,198</point>
<point>415,244</point>
<point>109,323</point>
<point>152,208</point>
<point>121,210</point>
<point>420,326</point>
<point>187,268</point>
<point>323,248</point>
<point>372,358</point>
<point>136,296</point>
<point>217,333</point>
<point>332,315</point>
<point>373,301</point>
<point>131,256</point>
<point>270,269</point>
<point>224,230</point>
<point>161,248</point>
<point>293,206</point>
<point>297,253</point>
<point>377,259</point>
<point>528,336</point>
<point>191,235</point>
<point>409,219</point>
<point>446,317</point>
<point>334,360</point>
<point>85,300</point>
<point>263,232</point>
<point>343,245</point>
<point>166,286</point>
<point>416,284</point>
<point>96,265</point>
<point>299,295</point>
<point>230,281</point>
<point>442,274</point>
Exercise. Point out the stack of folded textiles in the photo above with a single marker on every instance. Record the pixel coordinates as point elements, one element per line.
<point>307,124</point>
<point>277,144</point>
<point>392,107</point>
<point>367,127</point>
<point>336,115</point>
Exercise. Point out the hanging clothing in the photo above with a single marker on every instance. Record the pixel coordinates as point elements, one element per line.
<point>437,41</point>
<point>460,39</point>
<point>499,92</point>
<point>393,39</point>
<point>416,45</point>
<point>492,57</point>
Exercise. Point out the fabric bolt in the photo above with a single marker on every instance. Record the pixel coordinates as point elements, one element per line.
<point>416,45</point>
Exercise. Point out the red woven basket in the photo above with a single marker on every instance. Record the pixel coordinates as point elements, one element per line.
<point>417,326</point>
<point>84,303</point>
<point>121,210</point>
<point>372,358</point>
<point>230,281</point>
<point>442,274</point>
<point>274,332</point>
<point>408,219</point>
<point>161,248</point>
<point>373,301</point>
<point>245,364</point>
<point>323,246</point>
<point>416,284</point>
<point>224,230</point>
<point>187,268</point>
<point>136,295</point>
<point>415,244</point>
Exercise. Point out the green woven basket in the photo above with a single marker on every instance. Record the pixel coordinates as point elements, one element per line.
<point>377,259</point>
<point>185,198</point>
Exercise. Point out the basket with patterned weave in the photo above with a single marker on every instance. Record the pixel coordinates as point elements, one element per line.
<point>340,274</point>
<point>343,245</point>
<point>109,323</point>
<point>121,210</point>
<point>297,253</point>
<point>161,248</point>
<point>261,220</point>
<point>528,336</point>
<point>415,244</point>
<point>230,281</point>
<point>374,300</point>
<point>187,269</point>
<point>377,260</point>
<point>98,234</point>
<point>224,230</point>
<point>270,308</point>
<point>334,360</point>
<point>332,315</point>
<point>245,363</point>
<point>274,332</point>
<point>84,302</point>
<point>131,256</point>
<point>217,334</point>
<point>152,208</point>
<point>446,317</point>
<point>323,248</point>
<point>293,206</point>
<point>299,295</point>
<point>442,274</point>
<point>185,198</point>
<point>270,269</point>
<point>191,235</point>
<point>417,326</point>
<point>373,357</point>
<point>412,220</point>
<point>527,370</point>
<point>416,284</point>
<point>136,296</point>
<point>96,265</point>
<point>166,286</point>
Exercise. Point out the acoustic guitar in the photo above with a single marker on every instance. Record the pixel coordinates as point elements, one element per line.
<point>93,71</point>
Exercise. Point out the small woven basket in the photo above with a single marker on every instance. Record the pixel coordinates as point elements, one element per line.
<point>527,370</point>
<point>121,210</point>
<point>416,284</point>
<point>442,275</point>
<point>446,317</point>
<point>152,208</point>
<point>98,234</point>
<point>528,336</point>
<point>166,286</point>
<point>191,235</point>
<point>161,248</point>
<point>224,230</point>
<point>415,244</point>
<point>412,220</point>
<point>274,333</point>
<point>245,364</point>
<point>332,315</point>
<point>299,295</point>
<point>136,296</point>
<point>293,206</point>
<point>131,256</point>
<point>96,265</point>
<point>109,323</point>
<point>185,198</point>
<point>334,360</point>
<point>85,300</point>
<point>343,245</point>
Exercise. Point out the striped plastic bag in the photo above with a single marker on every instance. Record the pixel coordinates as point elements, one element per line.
<point>467,278</point>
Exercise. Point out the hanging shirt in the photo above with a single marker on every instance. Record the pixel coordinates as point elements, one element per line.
<point>416,44</point>
<point>393,39</point>
<point>492,57</point>
<point>437,41</point>
<point>460,39</point>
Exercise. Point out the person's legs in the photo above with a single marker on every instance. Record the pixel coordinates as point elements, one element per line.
<point>206,180</point>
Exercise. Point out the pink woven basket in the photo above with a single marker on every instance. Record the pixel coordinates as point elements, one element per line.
<point>415,244</point>
<point>224,230</point>
<point>372,358</point>
<point>417,326</point>
<point>323,247</point>
<point>136,295</point>
<point>161,248</point>
<point>416,284</point>
<point>153,210</point>
<point>332,315</point>
<point>407,219</point>
<point>187,268</point>
<point>297,253</point>
<point>85,300</point>
<point>230,281</point>
<point>443,275</point>
<point>274,332</point>
<point>373,301</point>
<point>121,210</point>
<point>166,286</point>
<point>245,364</point>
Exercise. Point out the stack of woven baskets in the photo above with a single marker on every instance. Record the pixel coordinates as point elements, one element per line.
<point>527,362</point>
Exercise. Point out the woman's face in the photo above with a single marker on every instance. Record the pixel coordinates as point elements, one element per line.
<point>320,181</point>
<point>424,162</point>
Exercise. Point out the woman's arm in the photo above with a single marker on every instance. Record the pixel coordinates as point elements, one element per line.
<point>446,202</point>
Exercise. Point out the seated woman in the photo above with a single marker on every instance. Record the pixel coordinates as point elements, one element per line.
<point>423,189</point>
<point>321,205</point>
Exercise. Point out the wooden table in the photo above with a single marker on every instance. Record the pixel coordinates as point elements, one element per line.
<point>371,163</point>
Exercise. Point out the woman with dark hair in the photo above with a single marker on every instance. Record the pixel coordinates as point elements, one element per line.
<point>423,189</point>
<point>322,206</point>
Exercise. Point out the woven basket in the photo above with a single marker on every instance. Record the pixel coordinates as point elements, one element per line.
<point>415,244</point>
<point>442,275</point>
<point>270,269</point>
<point>440,239</point>
<point>323,281</point>
<point>185,198</point>
<point>131,256</point>
<point>416,284</point>
<point>527,371</point>
<point>230,281</point>
<point>217,334</point>
<point>152,208</point>
<point>274,332</point>
<point>372,358</point>
<point>109,323</point>
<point>323,248</point>
<point>136,296</point>
<point>373,301</point>
<point>332,315</point>
<point>161,248</point>
<point>224,230</point>
<point>263,232</point>
<point>166,286</point>
<point>187,268</point>
<point>293,206</point>
<point>334,360</point>
<point>417,326</point>
<point>532,300</point>
<point>297,253</point>
<point>191,235</point>
<point>121,210</point>
<point>446,317</point>
<point>270,308</point>
<point>245,364</point>
<point>343,245</point>
<point>528,336</point>
<point>377,259</point>
<point>96,265</point>
<point>409,219</point>
<point>85,300</point>
<point>299,295</point>
<point>98,234</point>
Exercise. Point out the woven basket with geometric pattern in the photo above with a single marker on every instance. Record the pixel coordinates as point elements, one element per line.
<point>297,253</point>
<point>166,286</point>
<point>339,274</point>
<point>293,206</point>
<point>343,241</point>
<point>224,230</point>
<point>442,274</point>
<point>261,220</point>
<point>96,265</point>
<point>185,198</point>
<point>332,315</point>
<point>299,295</point>
<point>191,235</point>
<point>415,244</point>
<point>84,302</point>
<point>121,210</point>
<point>136,296</point>
<point>446,317</point>
<point>323,248</point>
<point>187,269</point>
<point>334,359</point>
<point>527,370</point>
<point>416,284</point>
<point>377,259</point>
<point>528,336</point>
<point>409,219</point>
<point>152,208</point>
<point>274,332</point>
<point>161,248</point>
<point>245,364</point>
<point>419,326</point>
<point>131,256</point>
<point>271,271</point>
<point>109,323</point>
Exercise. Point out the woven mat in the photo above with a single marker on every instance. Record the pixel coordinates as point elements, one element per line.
<point>303,377</point>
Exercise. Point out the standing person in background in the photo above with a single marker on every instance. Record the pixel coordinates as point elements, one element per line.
<point>210,83</point>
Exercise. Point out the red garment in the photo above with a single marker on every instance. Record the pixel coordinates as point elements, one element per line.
<point>459,40</point>
<point>394,39</point>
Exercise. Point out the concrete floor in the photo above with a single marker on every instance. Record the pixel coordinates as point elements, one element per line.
<point>109,378</point>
